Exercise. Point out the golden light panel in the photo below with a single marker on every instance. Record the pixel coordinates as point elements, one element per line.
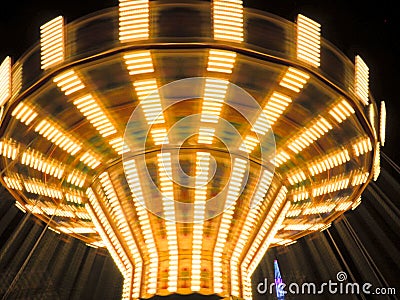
<point>16,78</point>
<point>36,160</point>
<point>38,187</point>
<point>233,193</point>
<point>200,197</point>
<point>90,159</point>
<point>168,200</point>
<point>300,194</point>
<point>221,61</point>
<point>377,162</point>
<point>382,124</point>
<point>20,207</point>
<point>249,144</point>
<point>296,177</point>
<point>69,82</point>
<point>362,80</point>
<point>294,80</point>
<point>359,177</point>
<point>308,41</point>
<point>91,109</point>
<point>334,184</point>
<point>119,145</point>
<point>133,20</point>
<point>5,80</point>
<point>13,182</point>
<point>24,113</point>
<point>76,178</point>
<point>57,136</point>
<point>329,161</point>
<point>9,148</point>
<point>362,146</point>
<point>228,20</point>
<point>52,43</point>
<point>310,134</point>
<point>341,111</point>
<point>150,101</point>
<point>319,209</point>
<point>280,158</point>
<point>139,62</point>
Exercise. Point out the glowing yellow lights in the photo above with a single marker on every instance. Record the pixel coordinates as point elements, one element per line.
<point>133,20</point>
<point>167,190</point>
<point>362,146</point>
<point>342,111</point>
<point>139,62</point>
<point>319,209</point>
<point>300,194</point>
<point>294,80</point>
<point>51,132</point>
<point>36,186</point>
<point>280,158</point>
<point>334,184</point>
<point>119,145</point>
<point>296,177</point>
<point>206,135</point>
<point>202,174</point>
<point>52,42</point>
<point>38,161</point>
<point>214,97</point>
<point>90,160</point>
<point>310,134</point>
<point>382,124</point>
<point>74,197</point>
<point>359,178</point>
<point>228,20</point>
<point>76,178</point>
<point>221,61</point>
<point>343,206</point>
<point>5,80</point>
<point>17,71</point>
<point>147,93</point>
<point>249,144</point>
<point>308,40</point>
<point>9,148</point>
<point>377,162</point>
<point>362,80</point>
<point>160,136</point>
<point>89,107</point>
<point>24,113</point>
<point>69,82</point>
<point>306,226</point>
<point>329,161</point>
<point>234,187</point>
<point>13,182</point>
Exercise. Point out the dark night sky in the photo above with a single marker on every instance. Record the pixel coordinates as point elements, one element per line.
<point>355,27</point>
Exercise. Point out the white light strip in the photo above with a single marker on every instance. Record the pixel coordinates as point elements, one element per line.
<point>221,61</point>
<point>264,229</point>
<point>308,41</point>
<point>319,209</point>
<point>300,194</point>
<point>76,178</point>
<point>36,186</point>
<point>362,146</point>
<point>123,227</point>
<point>249,144</point>
<point>160,136</point>
<point>359,178</point>
<point>200,197</point>
<point>328,162</point>
<point>341,111</point>
<point>280,158</point>
<point>17,72</point>
<point>206,135</point>
<point>310,134</point>
<point>133,20</point>
<point>334,184</point>
<point>38,161</point>
<point>139,62</point>
<point>362,80</point>
<point>52,42</point>
<point>90,160</point>
<point>296,177</point>
<point>90,108</point>
<point>306,226</point>
<point>147,93</point>
<point>382,125</point>
<point>24,113</point>
<point>228,20</point>
<point>294,80</point>
<point>13,182</point>
<point>167,190</point>
<point>213,99</point>
<point>9,148</point>
<point>234,188</point>
<point>69,82</point>
<point>5,80</point>
<point>119,145</point>
<point>133,180</point>
<point>248,225</point>
<point>56,135</point>
<point>377,162</point>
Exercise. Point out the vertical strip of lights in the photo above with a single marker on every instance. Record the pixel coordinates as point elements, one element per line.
<point>362,80</point>
<point>382,124</point>
<point>111,241</point>
<point>16,84</point>
<point>133,180</point>
<point>168,201</point>
<point>377,162</point>
<point>228,20</point>
<point>248,225</point>
<point>134,19</point>
<point>5,80</point>
<point>52,43</point>
<point>265,228</point>
<point>308,41</point>
<point>200,197</point>
<point>124,229</point>
<point>234,187</point>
